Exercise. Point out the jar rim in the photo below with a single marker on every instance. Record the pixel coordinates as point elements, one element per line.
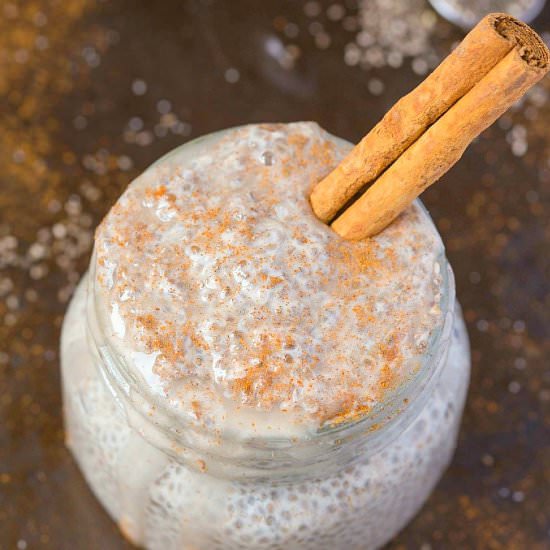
<point>379,426</point>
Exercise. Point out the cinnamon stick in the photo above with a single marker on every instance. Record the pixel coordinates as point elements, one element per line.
<point>488,44</point>
<point>428,158</point>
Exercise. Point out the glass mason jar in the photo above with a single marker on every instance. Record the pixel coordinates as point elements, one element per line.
<point>467,13</point>
<point>171,485</point>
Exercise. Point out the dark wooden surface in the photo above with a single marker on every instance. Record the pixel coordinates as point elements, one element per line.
<point>72,73</point>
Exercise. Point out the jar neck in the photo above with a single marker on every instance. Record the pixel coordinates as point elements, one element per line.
<point>264,458</point>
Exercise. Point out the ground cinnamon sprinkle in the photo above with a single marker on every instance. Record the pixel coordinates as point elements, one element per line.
<point>239,295</point>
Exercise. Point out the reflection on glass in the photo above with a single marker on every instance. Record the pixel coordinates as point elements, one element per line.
<point>466,13</point>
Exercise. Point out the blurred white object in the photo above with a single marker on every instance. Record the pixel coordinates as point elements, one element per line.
<point>466,13</point>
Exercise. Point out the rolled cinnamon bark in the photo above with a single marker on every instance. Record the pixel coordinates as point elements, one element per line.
<point>428,158</point>
<point>480,51</point>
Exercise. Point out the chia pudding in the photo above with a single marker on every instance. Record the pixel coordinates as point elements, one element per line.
<point>236,375</point>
